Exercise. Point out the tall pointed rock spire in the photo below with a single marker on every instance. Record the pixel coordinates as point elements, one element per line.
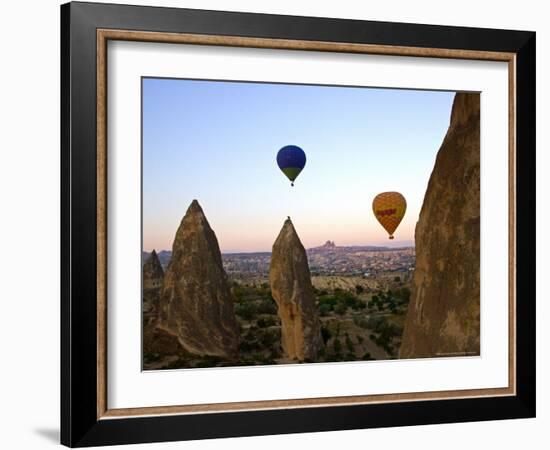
<point>152,284</point>
<point>444,310</point>
<point>196,301</point>
<point>292,290</point>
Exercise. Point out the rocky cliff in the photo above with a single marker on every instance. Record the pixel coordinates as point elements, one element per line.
<point>443,314</point>
<point>292,290</point>
<point>196,303</point>
<point>152,282</point>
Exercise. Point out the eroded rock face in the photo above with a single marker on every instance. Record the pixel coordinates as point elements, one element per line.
<point>152,282</point>
<point>292,290</point>
<point>196,303</point>
<point>443,315</point>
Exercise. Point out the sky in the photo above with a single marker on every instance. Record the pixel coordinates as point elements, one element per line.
<point>217,141</point>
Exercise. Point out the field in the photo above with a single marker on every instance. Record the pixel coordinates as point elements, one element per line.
<point>361,319</point>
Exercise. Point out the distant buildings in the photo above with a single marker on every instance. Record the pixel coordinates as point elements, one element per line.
<point>328,259</point>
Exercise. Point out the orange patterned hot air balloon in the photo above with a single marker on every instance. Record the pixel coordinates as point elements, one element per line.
<point>389,208</point>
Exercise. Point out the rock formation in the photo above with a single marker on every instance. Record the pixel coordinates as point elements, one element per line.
<point>329,244</point>
<point>443,314</point>
<point>152,282</point>
<point>152,272</point>
<point>292,290</point>
<point>196,303</point>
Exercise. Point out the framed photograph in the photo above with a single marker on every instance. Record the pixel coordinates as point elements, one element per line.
<point>277,224</point>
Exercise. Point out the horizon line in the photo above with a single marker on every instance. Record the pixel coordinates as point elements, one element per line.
<point>236,252</point>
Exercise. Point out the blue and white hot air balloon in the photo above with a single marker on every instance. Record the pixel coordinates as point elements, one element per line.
<point>291,159</point>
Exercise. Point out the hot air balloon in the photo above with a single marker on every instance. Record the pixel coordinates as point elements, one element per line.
<point>389,208</point>
<point>291,159</point>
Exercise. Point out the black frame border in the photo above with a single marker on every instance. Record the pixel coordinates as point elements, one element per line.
<point>79,424</point>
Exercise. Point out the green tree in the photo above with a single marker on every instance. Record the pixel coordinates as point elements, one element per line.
<point>349,344</point>
<point>367,357</point>
<point>337,345</point>
<point>246,310</point>
<point>267,306</point>
<point>324,309</point>
<point>266,321</point>
<point>340,308</point>
<point>325,334</point>
<point>404,294</point>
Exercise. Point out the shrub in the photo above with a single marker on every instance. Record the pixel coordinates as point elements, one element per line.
<point>238,292</point>
<point>360,322</point>
<point>177,364</point>
<point>149,357</point>
<point>266,321</point>
<point>327,302</point>
<point>349,344</point>
<point>246,311</point>
<point>267,306</point>
<point>374,322</point>
<point>360,305</point>
<point>367,357</point>
<point>209,361</point>
<point>270,337</point>
<point>325,309</point>
<point>247,346</point>
<point>404,294</point>
<point>325,334</point>
<point>340,308</point>
<point>337,346</point>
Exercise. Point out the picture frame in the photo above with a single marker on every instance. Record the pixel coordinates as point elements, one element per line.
<point>86,29</point>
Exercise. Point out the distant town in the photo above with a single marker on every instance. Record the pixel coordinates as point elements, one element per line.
<point>325,260</point>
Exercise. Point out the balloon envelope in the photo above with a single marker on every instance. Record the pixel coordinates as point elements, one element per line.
<point>389,209</point>
<point>291,159</point>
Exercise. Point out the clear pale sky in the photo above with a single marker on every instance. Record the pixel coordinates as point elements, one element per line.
<point>217,142</point>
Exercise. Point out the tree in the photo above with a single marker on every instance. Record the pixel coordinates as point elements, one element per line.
<point>404,294</point>
<point>267,321</point>
<point>337,345</point>
<point>325,334</point>
<point>246,311</point>
<point>340,308</point>
<point>267,306</point>
<point>367,357</point>
<point>349,344</point>
<point>324,309</point>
